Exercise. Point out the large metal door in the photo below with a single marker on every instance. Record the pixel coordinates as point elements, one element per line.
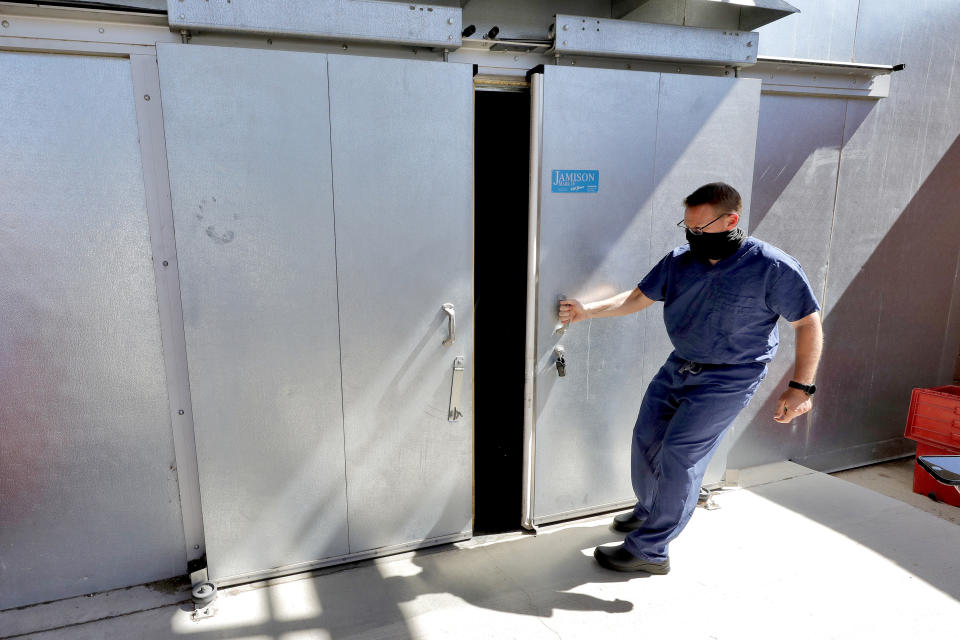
<point>402,136</point>
<point>323,210</point>
<point>248,147</point>
<point>619,150</point>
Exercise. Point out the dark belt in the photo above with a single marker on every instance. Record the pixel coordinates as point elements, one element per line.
<point>693,368</point>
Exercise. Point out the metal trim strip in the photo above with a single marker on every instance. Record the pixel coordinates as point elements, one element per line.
<point>149,109</point>
<point>338,560</point>
<point>577,513</point>
<point>533,260</point>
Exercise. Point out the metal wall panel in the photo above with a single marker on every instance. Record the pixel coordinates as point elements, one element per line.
<point>822,30</point>
<point>248,146</point>
<point>403,178</point>
<point>892,261</point>
<point>794,186</point>
<point>592,245</point>
<point>88,486</point>
<point>706,132</point>
<point>654,138</point>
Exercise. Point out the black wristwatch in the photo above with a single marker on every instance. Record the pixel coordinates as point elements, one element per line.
<point>808,389</point>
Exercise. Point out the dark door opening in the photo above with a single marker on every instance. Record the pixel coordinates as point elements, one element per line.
<point>502,143</point>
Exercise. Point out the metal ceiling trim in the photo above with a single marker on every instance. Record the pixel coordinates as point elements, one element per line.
<point>748,14</point>
<point>828,65</point>
<point>824,78</point>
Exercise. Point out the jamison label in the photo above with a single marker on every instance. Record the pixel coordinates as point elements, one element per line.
<point>575,181</point>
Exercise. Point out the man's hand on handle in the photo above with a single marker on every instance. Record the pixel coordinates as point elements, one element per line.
<point>626,302</point>
<point>572,311</point>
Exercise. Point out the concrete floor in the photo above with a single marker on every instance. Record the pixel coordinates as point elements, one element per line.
<point>793,554</point>
<point>895,479</point>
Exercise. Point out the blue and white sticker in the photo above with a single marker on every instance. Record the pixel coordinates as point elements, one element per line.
<point>575,181</point>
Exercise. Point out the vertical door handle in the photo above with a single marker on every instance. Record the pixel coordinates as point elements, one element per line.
<point>562,328</point>
<point>451,323</point>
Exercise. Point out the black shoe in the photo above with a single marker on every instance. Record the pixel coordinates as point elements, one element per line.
<point>619,559</point>
<point>627,522</point>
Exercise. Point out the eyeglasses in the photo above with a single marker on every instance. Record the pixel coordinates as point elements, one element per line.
<point>697,230</point>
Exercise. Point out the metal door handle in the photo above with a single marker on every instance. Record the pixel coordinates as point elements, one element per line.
<point>452,323</point>
<point>562,329</point>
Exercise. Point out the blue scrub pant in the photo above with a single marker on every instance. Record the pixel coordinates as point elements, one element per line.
<point>685,412</point>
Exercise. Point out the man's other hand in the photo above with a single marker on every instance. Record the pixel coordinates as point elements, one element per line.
<point>792,403</point>
<point>572,311</point>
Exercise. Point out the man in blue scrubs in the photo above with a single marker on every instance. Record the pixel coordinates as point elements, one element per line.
<point>722,295</point>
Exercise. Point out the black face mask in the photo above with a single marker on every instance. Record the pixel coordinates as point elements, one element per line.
<point>716,246</point>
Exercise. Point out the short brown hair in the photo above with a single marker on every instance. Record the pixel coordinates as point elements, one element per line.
<point>722,196</point>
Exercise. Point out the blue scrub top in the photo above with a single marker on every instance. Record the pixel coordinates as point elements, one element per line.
<point>727,313</point>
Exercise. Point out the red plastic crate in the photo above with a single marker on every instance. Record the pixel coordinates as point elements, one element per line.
<point>925,484</point>
<point>934,423</point>
<point>934,417</point>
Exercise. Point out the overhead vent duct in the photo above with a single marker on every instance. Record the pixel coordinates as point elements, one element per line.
<point>744,15</point>
<point>339,20</point>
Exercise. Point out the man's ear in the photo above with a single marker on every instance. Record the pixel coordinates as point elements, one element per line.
<point>733,220</point>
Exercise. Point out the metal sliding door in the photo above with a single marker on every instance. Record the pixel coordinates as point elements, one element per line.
<point>248,146</point>
<point>402,136</point>
<point>619,151</point>
<point>323,211</point>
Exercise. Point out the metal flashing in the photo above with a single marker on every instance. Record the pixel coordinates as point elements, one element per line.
<point>124,6</point>
<point>826,78</point>
<point>832,64</point>
<point>745,14</point>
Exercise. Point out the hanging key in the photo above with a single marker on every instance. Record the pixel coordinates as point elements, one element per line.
<point>561,361</point>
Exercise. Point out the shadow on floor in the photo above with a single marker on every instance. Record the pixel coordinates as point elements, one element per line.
<point>379,598</point>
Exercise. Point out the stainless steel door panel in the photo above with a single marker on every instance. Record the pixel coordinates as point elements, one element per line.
<point>89,498</point>
<point>654,139</point>
<point>403,180</point>
<point>248,144</point>
<point>592,245</point>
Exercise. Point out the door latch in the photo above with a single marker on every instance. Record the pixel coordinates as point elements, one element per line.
<point>456,386</point>
<point>561,361</point>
